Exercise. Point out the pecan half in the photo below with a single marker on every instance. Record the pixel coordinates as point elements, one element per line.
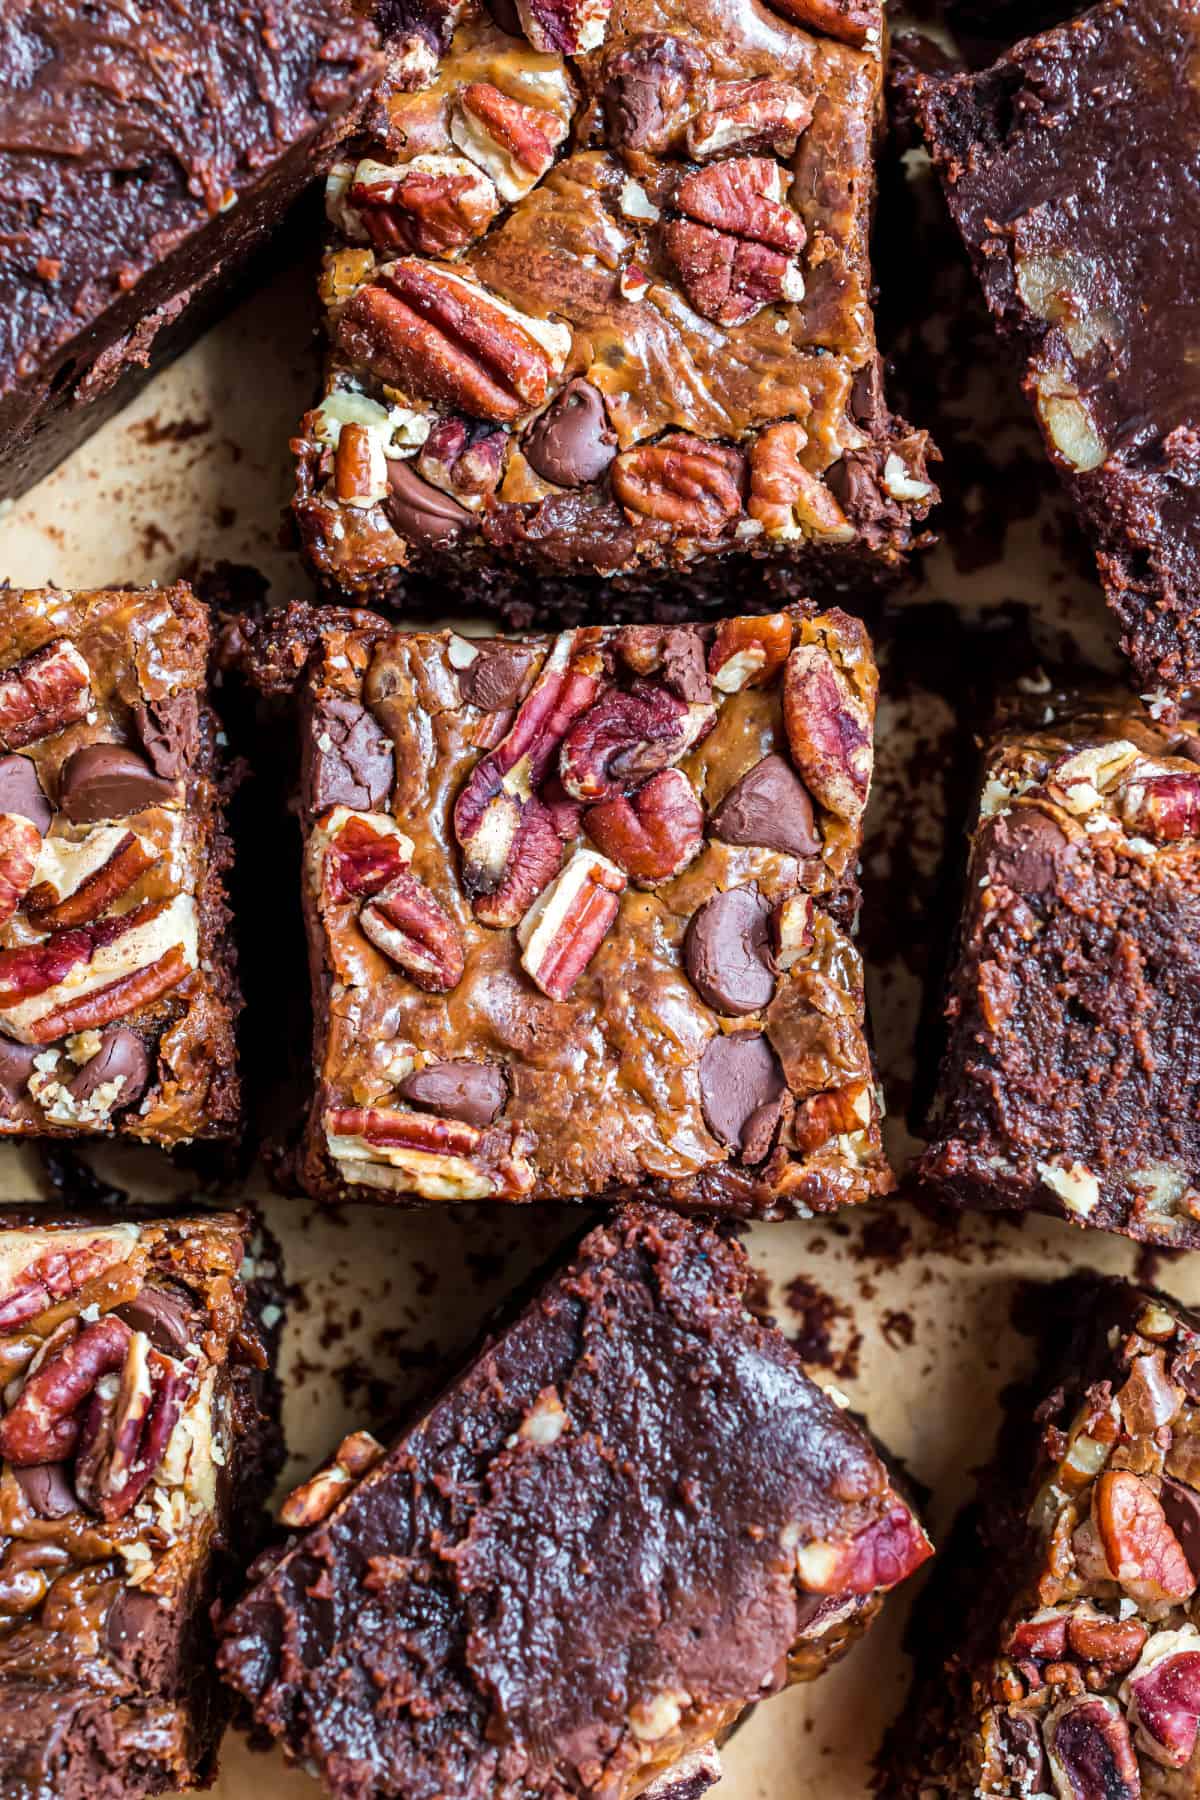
<point>415,931</point>
<point>761,114</point>
<point>1165,1693</point>
<point>440,1159</point>
<point>532,860</point>
<point>20,847</point>
<point>360,471</point>
<point>512,142</point>
<point>787,499</point>
<point>683,481</point>
<point>828,693</point>
<point>60,1269</point>
<point>125,1436</point>
<point>570,27</point>
<point>626,736</point>
<point>853,21</point>
<point>1142,1552</point>
<point>313,1501</point>
<point>431,206</point>
<point>44,692</point>
<point>429,330</point>
<point>41,1426</point>
<point>749,651</point>
<point>1090,1751</point>
<point>92,974</point>
<point>879,1556</point>
<point>729,279</point>
<point>654,834</point>
<point>744,196</point>
<point>50,909</point>
<point>561,933</point>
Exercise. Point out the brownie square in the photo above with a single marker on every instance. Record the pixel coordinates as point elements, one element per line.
<point>1070,1078</point>
<point>627,1520</point>
<point>117,991</point>
<point>599,307</point>
<point>145,151</point>
<point>579,911</point>
<point>135,1455</point>
<point>1057,1646</point>
<point>1072,169</point>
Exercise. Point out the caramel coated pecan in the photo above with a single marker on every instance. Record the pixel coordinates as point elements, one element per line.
<point>1164,1691</point>
<point>125,1435</point>
<point>20,846</point>
<point>50,909</point>
<point>1142,1552</point>
<point>853,21</point>
<point>563,931</point>
<point>44,692</point>
<point>360,471</point>
<point>828,707</point>
<point>749,651</point>
<point>791,930</point>
<point>743,195</point>
<point>787,499</point>
<point>92,974</point>
<point>686,482</point>
<point>352,855</point>
<point>532,860</point>
<point>730,279</point>
<point>441,1159</point>
<point>625,737</point>
<point>431,206</point>
<point>1164,806</point>
<point>415,931</point>
<point>1090,1751</point>
<point>762,114</point>
<point>463,459</point>
<point>314,1500</point>
<point>882,1555</point>
<point>59,1270</point>
<point>570,27</point>
<point>655,833</point>
<point>42,1425</point>
<point>512,142</point>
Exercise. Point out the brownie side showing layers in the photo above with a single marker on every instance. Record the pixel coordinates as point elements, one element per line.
<point>1071,167</point>
<point>117,987</point>
<point>599,305</point>
<point>579,912</point>
<point>1058,1649</point>
<point>144,152</point>
<point>135,1458</point>
<point>631,1517</point>
<point>1071,1072</point>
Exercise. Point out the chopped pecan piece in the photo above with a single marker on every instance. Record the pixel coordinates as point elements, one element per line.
<point>761,114</point>
<point>532,860</point>
<point>562,932</point>
<point>512,142</point>
<point>1165,807</point>
<point>682,481</point>
<point>44,692</point>
<point>1165,1693</point>
<point>440,1159</point>
<point>743,196</point>
<point>791,930</point>
<point>749,651</point>
<point>354,854</point>
<point>52,909</point>
<point>787,499</point>
<point>569,27</point>
<point>853,21</point>
<point>131,961</point>
<point>56,1270</point>
<point>880,1556</point>
<point>654,834</point>
<point>827,712</point>
<point>360,472</point>
<point>729,279</point>
<point>1142,1552</point>
<point>314,1500</point>
<point>125,1437</point>
<point>412,928</point>
<point>20,846</point>
<point>42,1425</point>
<point>626,736</point>
<point>431,206</point>
<point>462,458</point>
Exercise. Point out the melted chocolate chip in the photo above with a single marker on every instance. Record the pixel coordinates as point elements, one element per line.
<point>21,792</point>
<point>496,679</point>
<point>769,807</point>
<point>16,1066</point>
<point>470,1091</point>
<point>48,1490</point>
<point>739,1077</point>
<point>572,443</point>
<point>170,732</point>
<point>1182,1507</point>
<point>1026,850</point>
<point>166,1319</point>
<point>421,513</point>
<point>685,666</point>
<point>133,1619</point>
<point>121,1058</point>
<point>348,757</point>
<point>727,949</point>
<point>109,781</point>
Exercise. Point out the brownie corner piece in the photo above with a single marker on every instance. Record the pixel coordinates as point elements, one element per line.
<point>1068,1083</point>
<point>137,1448</point>
<point>1032,153</point>
<point>117,987</point>
<point>580,913</point>
<point>633,1401</point>
<point>605,359</point>
<point>1057,1646</point>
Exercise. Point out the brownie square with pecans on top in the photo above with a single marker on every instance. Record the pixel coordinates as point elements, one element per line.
<point>631,1517</point>
<point>580,907</point>
<point>599,303</point>
<point>137,1446</point>
<point>117,992</point>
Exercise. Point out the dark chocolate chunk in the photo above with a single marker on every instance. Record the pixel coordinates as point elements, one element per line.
<point>48,1490</point>
<point>471,1091</point>
<point>121,1058</point>
<point>758,1133</point>
<point>21,792</point>
<point>1025,850</point>
<point>496,679</point>
<point>648,90</point>
<point>727,950</point>
<point>572,443</point>
<point>1182,1507</point>
<point>133,1618</point>
<point>421,513</point>
<point>685,666</point>
<point>769,807</point>
<point>166,1319</point>
<point>16,1066</point>
<point>739,1077</point>
<point>109,781</point>
<point>170,732</point>
<point>348,757</point>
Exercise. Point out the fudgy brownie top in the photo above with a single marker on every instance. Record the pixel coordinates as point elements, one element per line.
<point>599,1547</point>
<point>1072,1069</point>
<point>125,129</point>
<point>116,993</point>
<point>578,911</point>
<point>1073,169</point>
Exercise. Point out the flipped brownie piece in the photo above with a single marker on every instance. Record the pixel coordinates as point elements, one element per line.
<point>627,1520</point>
<point>1058,1648</point>
<point>591,938</point>
<point>144,153</point>
<point>599,299</point>
<point>1071,1073</point>
<point>135,1456</point>
<point>117,986</point>
<point>1072,169</point>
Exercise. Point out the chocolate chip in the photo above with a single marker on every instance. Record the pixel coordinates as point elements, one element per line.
<point>739,1076</point>
<point>727,949</point>
<point>108,781</point>
<point>496,679</point>
<point>421,513</point>
<point>1026,850</point>
<point>348,758</point>
<point>132,1619</point>
<point>170,732</point>
<point>16,1066</point>
<point>121,1058</point>
<point>1182,1507</point>
<point>572,443</point>
<point>21,792</point>
<point>166,1319</point>
<point>470,1091</point>
<point>685,666</point>
<point>771,808</point>
<point>48,1490</point>
<point>758,1133</point>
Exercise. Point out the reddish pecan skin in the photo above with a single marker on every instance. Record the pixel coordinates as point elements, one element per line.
<point>42,1426</point>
